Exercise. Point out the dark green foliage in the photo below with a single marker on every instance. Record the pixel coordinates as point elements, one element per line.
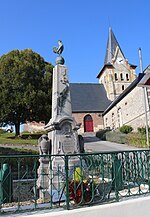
<point>126,129</point>
<point>101,134</point>
<point>17,151</point>
<point>2,131</point>
<point>25,166</point>
<point>25,88</point>
<point>142,130</point>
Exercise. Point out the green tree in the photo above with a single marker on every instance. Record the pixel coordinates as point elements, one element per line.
<point>25,88</point>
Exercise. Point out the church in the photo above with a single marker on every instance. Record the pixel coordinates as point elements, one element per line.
<point>117,99</point>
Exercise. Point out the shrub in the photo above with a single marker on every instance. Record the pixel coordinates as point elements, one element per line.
<point>117,137</point>
<point>137,140</point>
<point>142,130</point>
<point>101,134</point>
<point>2,131</point>
<point>126,129</point>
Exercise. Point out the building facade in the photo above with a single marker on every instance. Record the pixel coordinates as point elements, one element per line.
<point>128,108</point>
<point>89,101</point>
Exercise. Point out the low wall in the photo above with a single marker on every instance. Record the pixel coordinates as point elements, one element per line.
<point>129,208</point>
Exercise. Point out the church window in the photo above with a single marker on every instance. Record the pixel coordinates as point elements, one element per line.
<point>113,121</point>
<point>116,77</point>
<point>121,76</point>
<point>122,87</point>
<point>106,121</point>
<point>119,117</point>
<point>127,77</point>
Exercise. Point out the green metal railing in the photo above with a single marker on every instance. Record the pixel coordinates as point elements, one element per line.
<point>73,180</point>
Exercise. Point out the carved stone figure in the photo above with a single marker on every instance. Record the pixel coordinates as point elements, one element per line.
<point>44,145</point>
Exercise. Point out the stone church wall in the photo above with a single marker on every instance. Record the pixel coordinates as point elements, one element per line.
<point>129,111</point>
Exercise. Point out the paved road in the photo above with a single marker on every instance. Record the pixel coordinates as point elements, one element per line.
<point>93,144</point>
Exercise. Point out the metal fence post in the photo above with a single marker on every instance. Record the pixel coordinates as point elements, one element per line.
<point>117,176</point>
<point>67,181</point>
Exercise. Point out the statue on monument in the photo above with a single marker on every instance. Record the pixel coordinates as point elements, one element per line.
<point>44,145</point>
<point>58,50</point>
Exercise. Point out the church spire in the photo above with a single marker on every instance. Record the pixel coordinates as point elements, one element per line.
<point>112,44</point>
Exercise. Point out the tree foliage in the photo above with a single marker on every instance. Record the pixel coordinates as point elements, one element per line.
<point>25,88</point>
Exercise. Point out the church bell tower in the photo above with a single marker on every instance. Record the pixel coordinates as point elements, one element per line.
<point>117,74</point>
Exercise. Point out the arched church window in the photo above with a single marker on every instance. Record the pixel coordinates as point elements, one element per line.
<point>116,77</point>
<point>119,117</point>
<point>106,121</point>
<point>113,121</point>
<point>121,77</point>
<point>127,77</point>
<point>122,87</point>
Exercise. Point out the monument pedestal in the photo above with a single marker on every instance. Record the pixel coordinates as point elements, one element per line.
<point>62,128</point>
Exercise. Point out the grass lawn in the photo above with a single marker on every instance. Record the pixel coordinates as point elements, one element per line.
<point>23,139</point>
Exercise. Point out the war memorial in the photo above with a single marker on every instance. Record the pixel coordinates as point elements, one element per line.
<point>62,129</point>
<point>64,176</point>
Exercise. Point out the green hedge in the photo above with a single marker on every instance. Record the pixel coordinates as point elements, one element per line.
<point>101,134</point>
<point>112,136</point>
<point>117,137</point>
<point>142,130</point>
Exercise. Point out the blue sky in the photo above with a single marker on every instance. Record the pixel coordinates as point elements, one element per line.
<point>82,25</point>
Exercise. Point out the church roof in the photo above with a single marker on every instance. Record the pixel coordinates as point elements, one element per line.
<point>88,97</point>
<point>112,44</point>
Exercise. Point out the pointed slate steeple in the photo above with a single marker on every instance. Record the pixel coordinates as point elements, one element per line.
<point>117,74</point>
<point>112,44</point>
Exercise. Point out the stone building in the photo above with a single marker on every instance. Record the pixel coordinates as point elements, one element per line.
<point>128,108</point>
<point>122,86</point>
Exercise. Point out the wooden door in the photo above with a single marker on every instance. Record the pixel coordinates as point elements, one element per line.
<point>88,123</point>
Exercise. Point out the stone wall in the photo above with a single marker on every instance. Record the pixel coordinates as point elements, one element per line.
<point>34,126</point>
<point>129,111</point>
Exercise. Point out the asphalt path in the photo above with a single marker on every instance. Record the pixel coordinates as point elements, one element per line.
<point>94,144</point>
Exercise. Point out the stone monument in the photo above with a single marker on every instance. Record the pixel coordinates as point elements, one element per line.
<point>62,128</point>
